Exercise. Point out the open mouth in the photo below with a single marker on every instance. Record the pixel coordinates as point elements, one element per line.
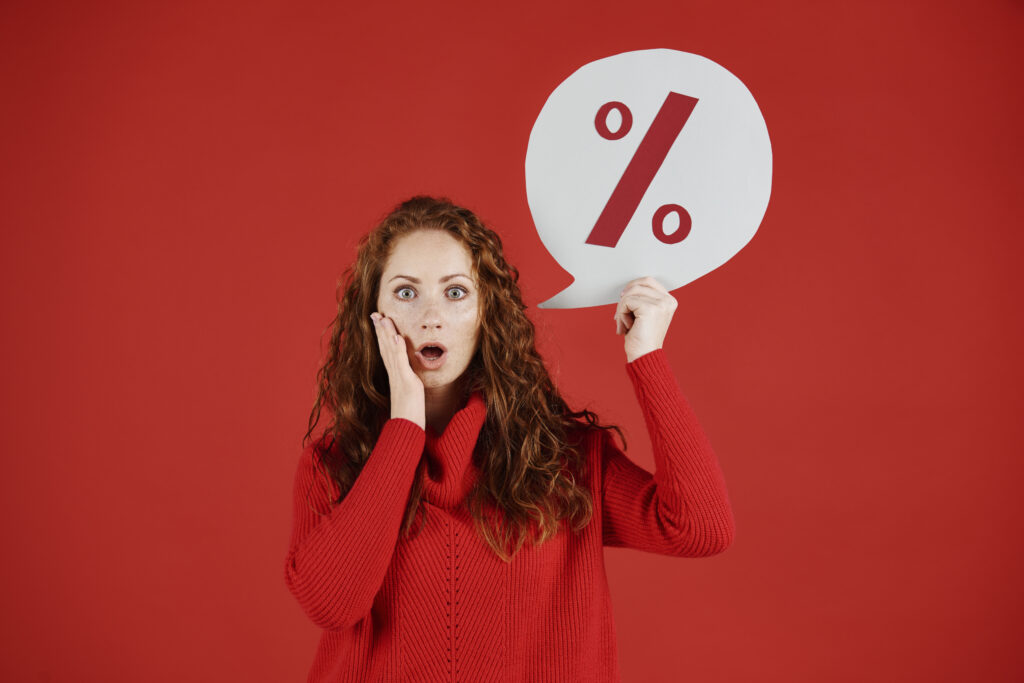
<point>432,352</point>
<point>432,355</point>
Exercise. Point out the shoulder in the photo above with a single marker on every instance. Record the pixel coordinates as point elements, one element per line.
<point>587,440</point>
<point>312,454</point>
<point>582,432</point>
<point>579,429</point>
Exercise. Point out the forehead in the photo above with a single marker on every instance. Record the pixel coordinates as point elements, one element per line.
<point>425,253</point>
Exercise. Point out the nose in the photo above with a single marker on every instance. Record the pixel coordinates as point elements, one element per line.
<point>431,319</point>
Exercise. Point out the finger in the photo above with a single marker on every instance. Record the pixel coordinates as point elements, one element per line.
<point>645,287</point>
<point>647,282</point>
<point>630,303</point>
<point>640,288</point>
<point>626,312</point>
<point>651,282</point>
<point>392,329</point>
<point>399,348</point>
<point>386,338</point>
<point>624,320</point>
<point>376,319</point>
<point>621,308</point>
<point>382,342</point>
<point>384,332</point>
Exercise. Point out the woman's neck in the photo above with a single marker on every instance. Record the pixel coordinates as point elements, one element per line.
<point>441,403</point>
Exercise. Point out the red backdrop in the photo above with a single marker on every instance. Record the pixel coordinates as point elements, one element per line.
<point>183,184</point>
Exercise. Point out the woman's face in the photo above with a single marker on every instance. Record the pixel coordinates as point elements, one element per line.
<point>428,288</point>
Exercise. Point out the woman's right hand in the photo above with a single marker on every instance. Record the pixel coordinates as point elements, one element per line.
<point>407,398</point>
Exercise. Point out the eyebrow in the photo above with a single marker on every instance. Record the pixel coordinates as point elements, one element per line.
<point>446,278</point>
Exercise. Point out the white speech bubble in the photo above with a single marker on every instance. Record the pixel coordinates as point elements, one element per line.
<point>717,167</point>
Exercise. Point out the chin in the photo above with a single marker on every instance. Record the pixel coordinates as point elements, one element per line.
<point>435,380</point>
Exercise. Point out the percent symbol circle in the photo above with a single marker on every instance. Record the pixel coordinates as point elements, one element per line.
<point>642,168</point>
<point>680,233</point>
<point>601,120</point>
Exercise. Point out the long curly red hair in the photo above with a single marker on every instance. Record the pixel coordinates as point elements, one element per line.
<point>528,447</point>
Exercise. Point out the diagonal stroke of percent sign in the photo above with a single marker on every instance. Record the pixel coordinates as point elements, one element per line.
<point>646,161</point>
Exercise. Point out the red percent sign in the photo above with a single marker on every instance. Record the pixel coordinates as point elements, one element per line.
<point>642,168</point>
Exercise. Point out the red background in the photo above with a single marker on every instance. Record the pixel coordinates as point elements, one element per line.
<point>183,183</point>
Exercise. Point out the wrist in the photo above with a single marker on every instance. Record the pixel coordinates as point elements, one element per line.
<point>420,421</point>
<point>411,410</point>
<point>633,354</point>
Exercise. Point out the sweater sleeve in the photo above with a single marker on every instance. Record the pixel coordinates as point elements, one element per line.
<point>682,509</point>
<point>337,557</point>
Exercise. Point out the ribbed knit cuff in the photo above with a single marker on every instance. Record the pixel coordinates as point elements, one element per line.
<point>653,372</point>
<point>402,435</point>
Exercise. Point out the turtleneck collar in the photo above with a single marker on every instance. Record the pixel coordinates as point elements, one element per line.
<point>450,473</point>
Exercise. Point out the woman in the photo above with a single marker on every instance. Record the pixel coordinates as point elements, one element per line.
<point>443,414</point>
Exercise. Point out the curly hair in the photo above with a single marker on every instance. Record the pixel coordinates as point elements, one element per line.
<point>529,448</point>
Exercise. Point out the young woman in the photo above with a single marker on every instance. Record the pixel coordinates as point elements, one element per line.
<point>449,522</point>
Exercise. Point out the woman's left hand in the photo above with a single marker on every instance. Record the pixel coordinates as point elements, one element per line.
<point>644,312</point>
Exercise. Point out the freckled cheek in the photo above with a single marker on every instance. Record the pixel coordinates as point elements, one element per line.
<point>466,327</point>
<point>398,316</point>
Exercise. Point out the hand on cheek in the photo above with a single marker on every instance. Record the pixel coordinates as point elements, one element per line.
<point>407,397</point>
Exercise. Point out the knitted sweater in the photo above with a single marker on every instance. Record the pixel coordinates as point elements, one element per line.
<point>441,606</point>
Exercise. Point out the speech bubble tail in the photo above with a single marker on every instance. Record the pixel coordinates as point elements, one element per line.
<point>573,296</point>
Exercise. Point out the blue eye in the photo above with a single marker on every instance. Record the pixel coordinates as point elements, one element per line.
<point>405,289</point>
<point>462,292</point>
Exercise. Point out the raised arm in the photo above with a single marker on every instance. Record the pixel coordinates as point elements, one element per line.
<point>337,557</point>
<point>682,509</point>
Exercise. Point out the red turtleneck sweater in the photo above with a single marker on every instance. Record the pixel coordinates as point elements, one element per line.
<point>441,606</point>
